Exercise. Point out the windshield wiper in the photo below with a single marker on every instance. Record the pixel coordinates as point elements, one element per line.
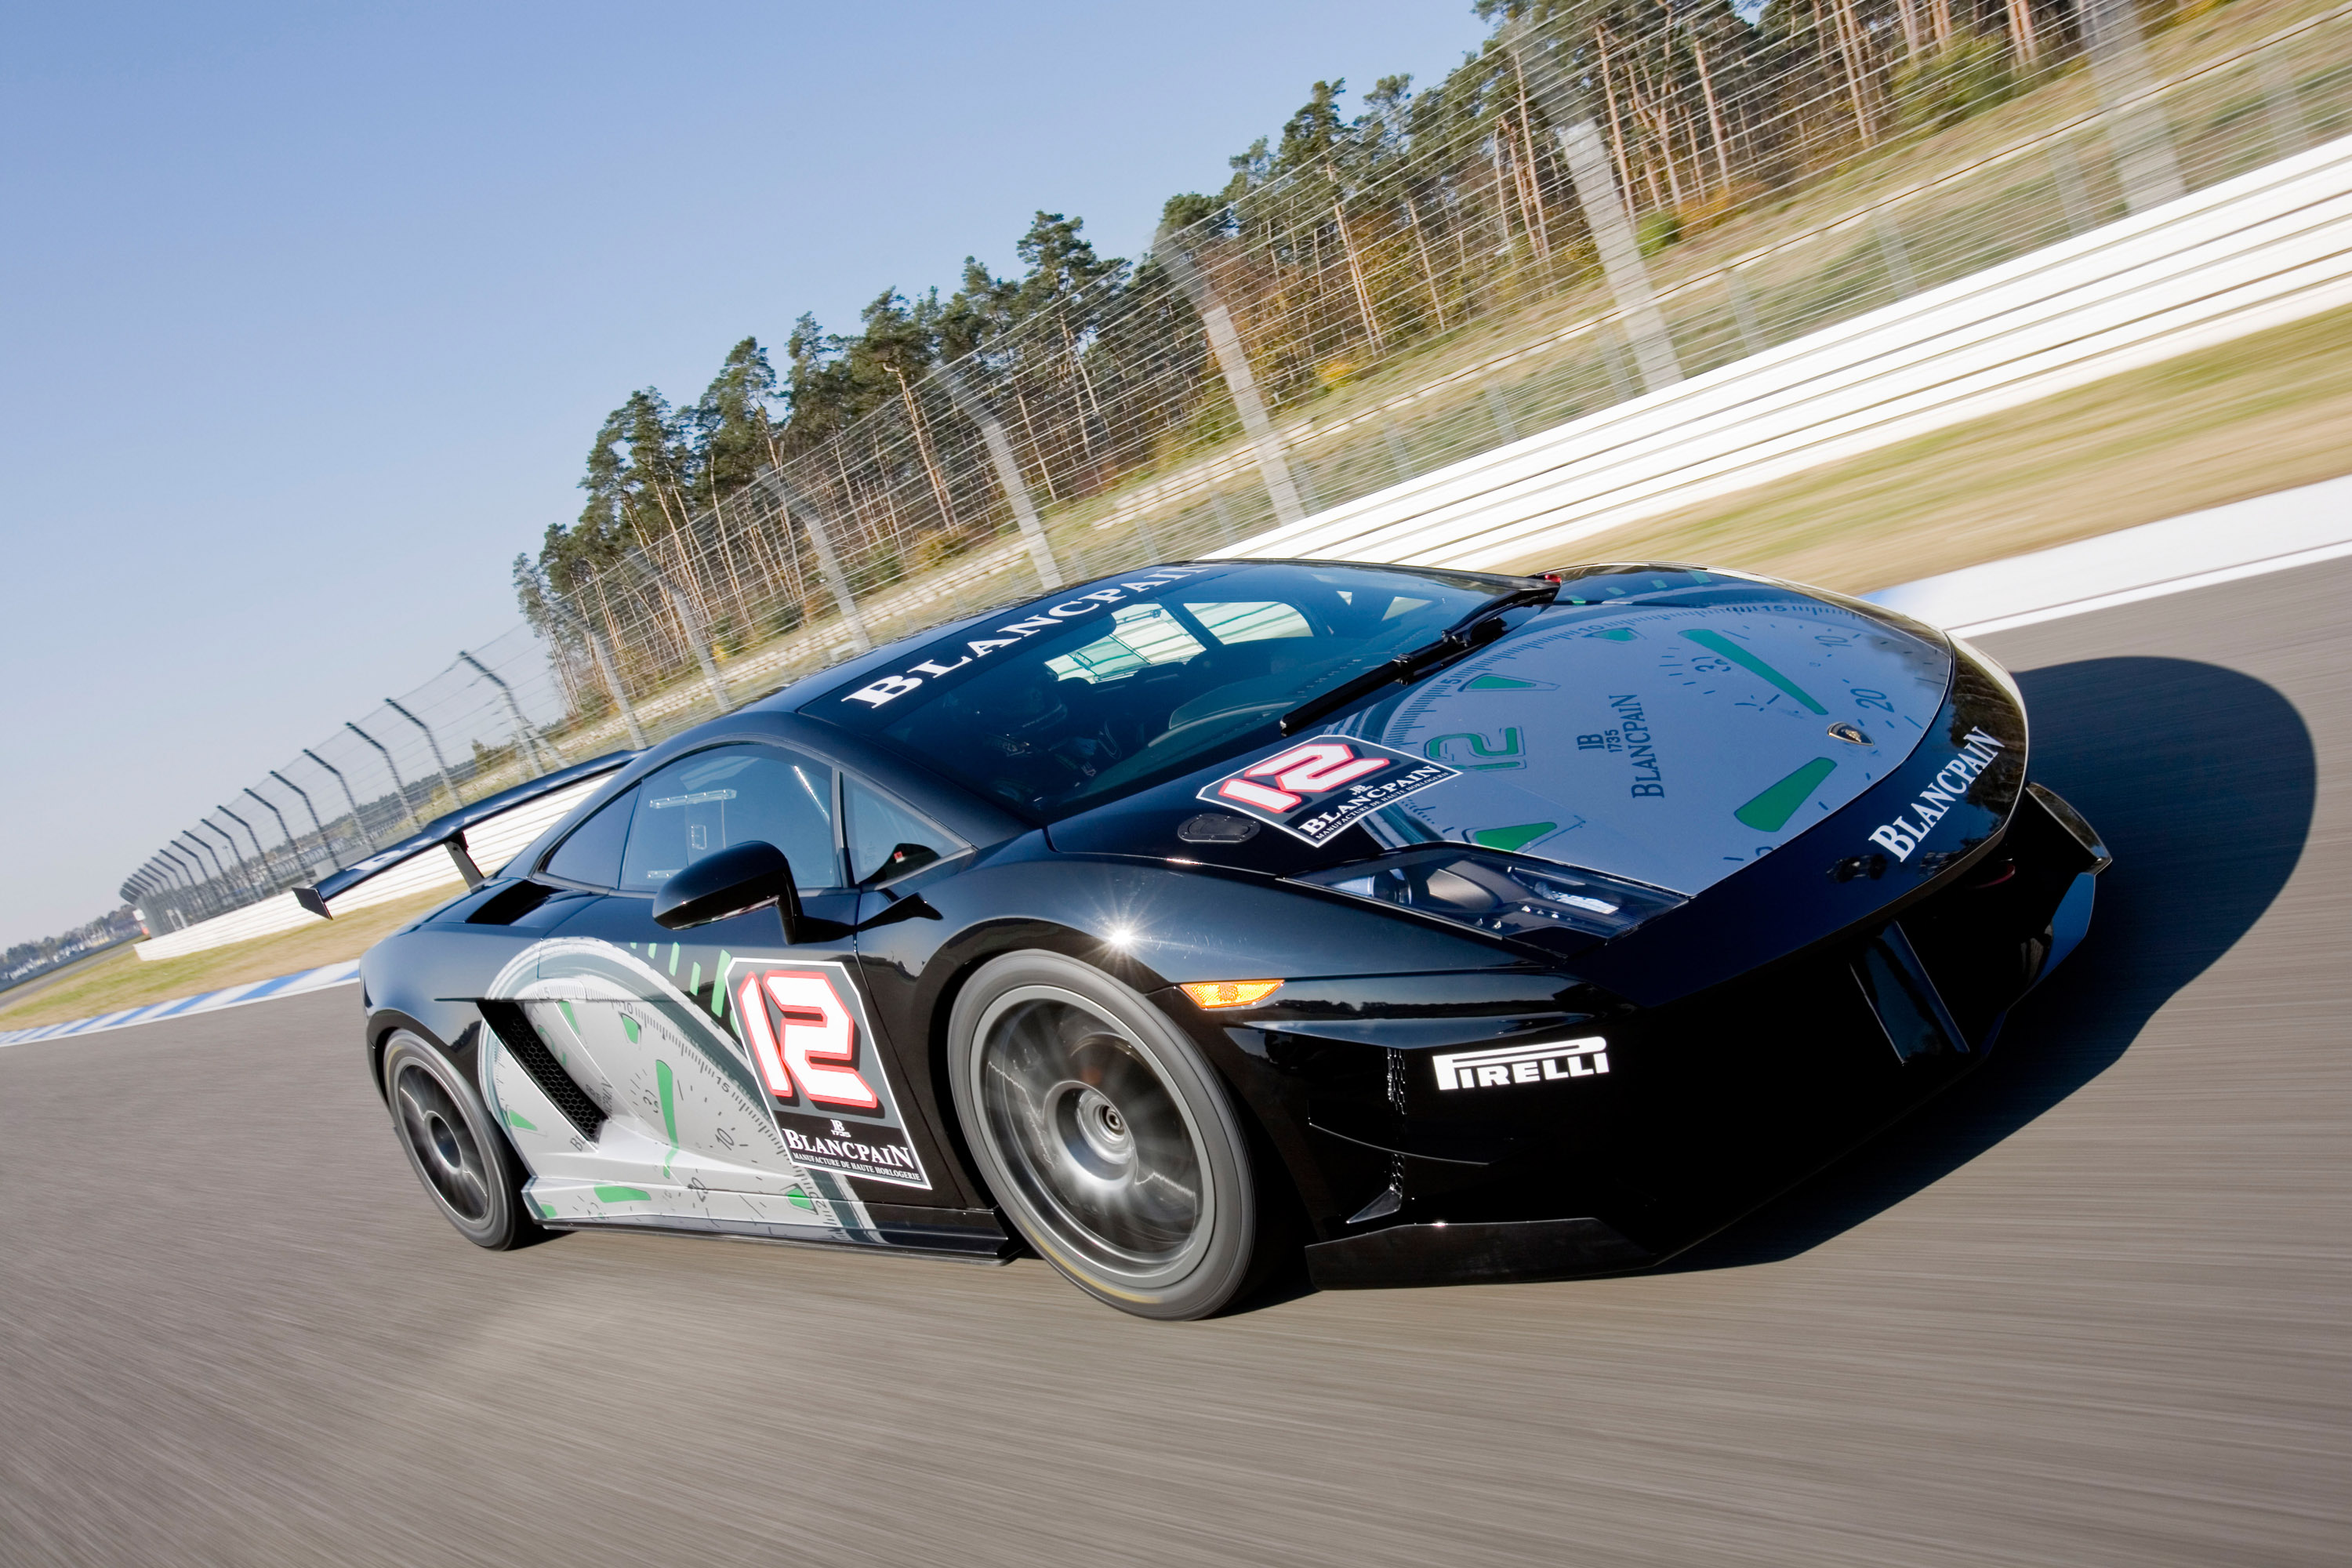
<point>1480,627</point>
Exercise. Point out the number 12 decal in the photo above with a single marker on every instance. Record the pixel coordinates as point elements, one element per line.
<point>827,1082</point>
<point>816,1028</point>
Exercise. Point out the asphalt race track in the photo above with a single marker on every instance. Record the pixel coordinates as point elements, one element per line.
<point>2092,1309</point>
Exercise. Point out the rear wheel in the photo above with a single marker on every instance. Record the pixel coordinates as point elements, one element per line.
<point>1106,1136</point>
<point>456,1151</point>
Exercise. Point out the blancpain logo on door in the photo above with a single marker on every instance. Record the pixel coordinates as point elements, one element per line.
<point>1502,1066</point>
<point>1950,786</point>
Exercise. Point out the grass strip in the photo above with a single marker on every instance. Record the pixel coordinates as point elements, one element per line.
<point>123,979</point>
<point>2263,413</point>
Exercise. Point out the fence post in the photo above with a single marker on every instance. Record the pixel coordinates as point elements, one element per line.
<point>2073,195</point>
<point>1743,310</point>
<point>243,872</point>
<point>399,787</point>
<point>828,565</point>
<point>325,848</point>
<point>208,902</point>
<point>1008,474</point>
<point>2136,129</point>
<point>259,879</point>
<point>173,893</point>
<point>525,737</point>
<point>187,888</point>
<point>1266,444</point>
<point>1604,209</point>
<point>2281,105</point>
<point>290,847</point>
<point>1890,250</point>
<point>1398,459</point>
<point>697,638</point>
<point>1500,412</point>
<point>208,892</point>
<point>439,761</point>
<point>359,823</point>
<point>192,896</point>
<point>606,666</point>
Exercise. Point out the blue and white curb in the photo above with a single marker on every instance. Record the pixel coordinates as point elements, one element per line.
<point>343,973</point>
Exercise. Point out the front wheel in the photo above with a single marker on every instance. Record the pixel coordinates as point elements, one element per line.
<point>1106,1136</point>
<point>452,1145</point>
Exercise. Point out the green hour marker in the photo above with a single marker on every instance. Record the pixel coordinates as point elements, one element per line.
<point>1617,634</point>
<point>629,1028</point>
<point>1511,838</point>
<point>1500,683</point>
<point>719,984</point>
<point>1717,643</point>
<point>1770,812</point>
<point>694,984</point>
<point>517,1119</point>
<point>666,1084</point>
<point>673,958</point>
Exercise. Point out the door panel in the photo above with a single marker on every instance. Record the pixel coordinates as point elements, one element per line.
<point>731,1080</point>
<point>687,1137</point>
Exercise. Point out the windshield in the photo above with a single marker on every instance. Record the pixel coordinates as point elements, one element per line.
<point>1135,679</point>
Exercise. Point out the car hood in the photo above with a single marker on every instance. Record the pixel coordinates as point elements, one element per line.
<point>1660,729</point>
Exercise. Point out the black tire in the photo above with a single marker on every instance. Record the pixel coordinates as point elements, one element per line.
<point>465,1163</point>
<point>1106,1136</point>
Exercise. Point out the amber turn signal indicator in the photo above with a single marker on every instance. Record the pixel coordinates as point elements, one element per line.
<point>1231,993</point>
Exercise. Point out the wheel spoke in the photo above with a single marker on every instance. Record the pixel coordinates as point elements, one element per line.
<point>441,1141</point>
<point>1099,1144</point>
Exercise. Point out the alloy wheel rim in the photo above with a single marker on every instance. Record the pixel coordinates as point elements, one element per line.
<point>1104,1156</point>
<point>442,1145</point>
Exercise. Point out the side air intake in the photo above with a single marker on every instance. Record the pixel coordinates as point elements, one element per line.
<point>521,1040</point>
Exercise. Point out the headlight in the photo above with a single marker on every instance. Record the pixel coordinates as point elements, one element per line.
<point>1532,899</point>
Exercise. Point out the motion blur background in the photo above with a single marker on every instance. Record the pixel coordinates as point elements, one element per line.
<point>1595,204</point>
<point>316,315</point>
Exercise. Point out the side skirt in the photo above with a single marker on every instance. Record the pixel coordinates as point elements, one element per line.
<point>967,1243</point>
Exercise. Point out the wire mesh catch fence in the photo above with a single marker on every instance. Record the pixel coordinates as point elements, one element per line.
<point>1609,200</point>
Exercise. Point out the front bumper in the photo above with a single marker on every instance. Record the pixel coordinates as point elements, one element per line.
<point>1689,1114</point>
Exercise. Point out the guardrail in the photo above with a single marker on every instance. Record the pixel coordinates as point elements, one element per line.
<point>2248,253</point>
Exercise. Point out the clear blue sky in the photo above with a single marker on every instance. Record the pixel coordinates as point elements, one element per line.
<point>307,313</point>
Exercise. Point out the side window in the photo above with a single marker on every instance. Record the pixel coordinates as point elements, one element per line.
<point>886,840</point>
<point>732,794</point>
<point>590,853</point>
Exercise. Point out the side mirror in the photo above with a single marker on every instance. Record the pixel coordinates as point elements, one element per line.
<point>735,880</point>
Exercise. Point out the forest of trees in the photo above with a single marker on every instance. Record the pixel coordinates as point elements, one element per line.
<point>1338,242</point>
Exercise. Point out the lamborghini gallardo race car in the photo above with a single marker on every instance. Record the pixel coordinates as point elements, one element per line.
<point>1442,927</point>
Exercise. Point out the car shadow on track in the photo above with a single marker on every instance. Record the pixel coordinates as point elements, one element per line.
<point>2201,780</point>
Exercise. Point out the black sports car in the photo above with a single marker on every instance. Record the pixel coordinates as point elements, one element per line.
<point>1452,927</point>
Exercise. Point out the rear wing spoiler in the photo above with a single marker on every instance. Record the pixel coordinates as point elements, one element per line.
<point>448,833</point>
